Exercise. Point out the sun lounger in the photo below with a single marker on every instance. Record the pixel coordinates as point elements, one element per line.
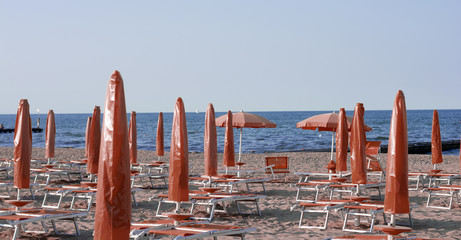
<point>140,230</point>
<point>199,231</point>
<point>322,207</point>
<point>450,191</point>
<point>151,177</point>
<point>355,189</point>
<point>19,219</point>
<point>358,211</point>
<point>437,178</point>
<point>210,201</point>
<point>417,177</point>
<point>47,173</point>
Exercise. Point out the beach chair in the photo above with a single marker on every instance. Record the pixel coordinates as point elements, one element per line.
<point>436,179</point>
<point>449,191</point>
<point>279,166</point>
<point>211,201</point>
<point>19,219</point>
<point>200,231</point>
<point>372,150</point>
<point>320,207</point>
<point>358,211</point>
<point>418,178</point>
<point>140,230</point>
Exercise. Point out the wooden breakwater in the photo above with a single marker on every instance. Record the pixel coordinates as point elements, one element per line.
<point>413,148</point>
<point>425,147</point>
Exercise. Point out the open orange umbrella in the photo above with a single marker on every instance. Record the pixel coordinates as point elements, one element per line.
<point>210,148</point>
<point>341,142</point>
<point>50,135</point>
<point>113,206</point>
<point>159,143</point>
<point>132,138</point>
<point>245,120</point>
<point>94,143</point>
<point>396,200</point>
<point>229,152</point>
<point>22,147</point>
<point>357,145</point>
<point>436,140</point>
<point>178,180</point>
<point>87,135</point>
<point>326,122</point>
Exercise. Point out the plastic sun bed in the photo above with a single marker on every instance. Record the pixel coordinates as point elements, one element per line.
<point>202,230</point>
<point>210,201</point>
<point>18,219</point>
<point>450,191</point>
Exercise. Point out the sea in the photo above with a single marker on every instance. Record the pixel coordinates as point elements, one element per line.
<point>70,130</point>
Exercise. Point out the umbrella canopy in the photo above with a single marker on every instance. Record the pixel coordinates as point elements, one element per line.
<point>229,152</point>
<point>436,140</point>
<point>178,179</point>
<point>50,135</point>
<point>87,135</point>
<point>396,200</point>
<point>132,139</point>
<point>245,120</point>
<point>22,146</point>
<point>159,143</point>
<point>113,208</point>
<point>325,122</point>
<point>357,145</point>
<point>94,142</point>
<point>210,148</point>
<point>341,142</point>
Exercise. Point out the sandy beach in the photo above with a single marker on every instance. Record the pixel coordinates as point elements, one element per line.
<point>277,221</point>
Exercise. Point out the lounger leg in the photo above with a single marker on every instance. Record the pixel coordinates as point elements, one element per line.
<point>301,218</point>
<point>17,232</point>
<point>212,212</point>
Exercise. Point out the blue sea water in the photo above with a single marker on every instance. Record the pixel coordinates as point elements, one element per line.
<point>70,130</point>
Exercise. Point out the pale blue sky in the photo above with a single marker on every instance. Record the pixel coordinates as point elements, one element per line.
<point>251,55</point>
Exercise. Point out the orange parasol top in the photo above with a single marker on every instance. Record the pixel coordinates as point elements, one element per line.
<point>50,135</point>
<point>210,148</point>
<point>132,138</point>
<point>22,146</point>
<point>159,143</point>
<point>113,208</point>
<point>325,122</point>
<point>87,135</point>
<point>396,200</point>
<point>357,145</point>
<point>178,180</point>
<point>245,120</point>
<point>436,140</point>
<point>94,142</point>
<point>229,151</point>
<point>341,141</point>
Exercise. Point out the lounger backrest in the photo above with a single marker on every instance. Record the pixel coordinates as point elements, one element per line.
<point>372,147</point>
<point>280,164</point>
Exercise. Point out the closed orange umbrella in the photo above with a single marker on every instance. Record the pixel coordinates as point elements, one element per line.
<point>113,206</point>
<point>178,180</point>
<point>210,148</point>
<point>341,142</point>
<point>87,135</point>
<point>229,152</point>
<point>132,139</point>
<point>159,143</point>
<point>50,135</point>
<point>436,140</point>
<point>396,200</point>
<point>22,147</point>
<point>94,142</point>
<point>245,120</point>
<point>357,145</point>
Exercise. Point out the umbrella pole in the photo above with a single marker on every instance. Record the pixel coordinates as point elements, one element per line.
<point>332,144</point>
<point>19,194</point>
<point>49,161</point>
<point>240,143</point>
